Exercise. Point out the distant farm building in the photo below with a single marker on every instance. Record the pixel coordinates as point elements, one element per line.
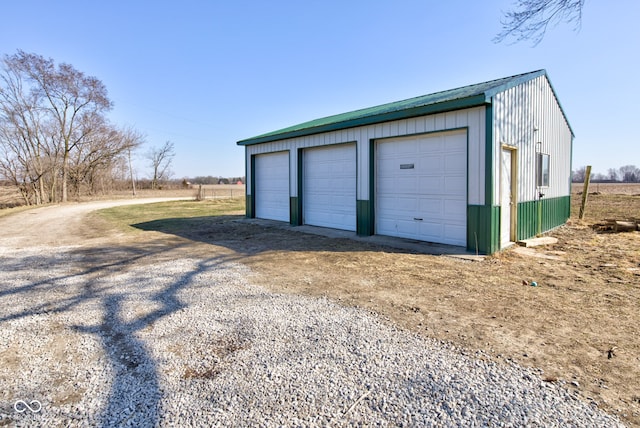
<point>479,167</point>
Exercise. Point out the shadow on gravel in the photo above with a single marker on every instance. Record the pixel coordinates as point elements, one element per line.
<point>254,236</point>
<point>135,395</point>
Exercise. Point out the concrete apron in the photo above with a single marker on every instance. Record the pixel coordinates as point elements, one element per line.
<point>410,245</point>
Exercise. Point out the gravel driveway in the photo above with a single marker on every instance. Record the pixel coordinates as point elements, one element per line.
<point>96,331</point>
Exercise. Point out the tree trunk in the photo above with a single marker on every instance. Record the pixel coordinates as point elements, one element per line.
<point>41,190</point>
<point>625,226</point>
<point>65,174</point>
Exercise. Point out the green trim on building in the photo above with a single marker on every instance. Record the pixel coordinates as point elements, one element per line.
<point>295,211</point>
<point>488,155</point>
<point>334,124</point>
<point>483,229</point>
<point>251,201</point>
<point>365,226</point>
<point>372,186</point>
<point>555,212</point>
<point>299,220</point>
<point>250,207</point>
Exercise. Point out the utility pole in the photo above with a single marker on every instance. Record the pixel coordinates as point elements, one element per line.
<point>133,182</point>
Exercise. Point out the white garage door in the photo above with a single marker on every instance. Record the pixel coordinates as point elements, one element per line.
<point>421,187</point>
<point>271,191</point>
<point>329,187</point>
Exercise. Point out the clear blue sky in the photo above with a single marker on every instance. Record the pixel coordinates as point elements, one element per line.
<point>205,74</point>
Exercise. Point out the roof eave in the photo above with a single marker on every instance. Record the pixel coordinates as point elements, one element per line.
<point>516,81</point>
<point>451,105</point>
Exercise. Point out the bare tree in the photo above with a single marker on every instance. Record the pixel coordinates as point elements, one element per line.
<point>530,19</point>
<point>160,159</point>
<point>53,130</point>
<point>612,174</point>
<point>23,135</point>
<point>67,96</point>
<point>629,174</point>
<point>100,153</point>
<point>578,175</point>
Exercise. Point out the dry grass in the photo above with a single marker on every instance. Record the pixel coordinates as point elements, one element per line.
<point>616,200</point>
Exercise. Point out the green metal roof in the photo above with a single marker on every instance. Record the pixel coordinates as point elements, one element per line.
<point>453,99</point>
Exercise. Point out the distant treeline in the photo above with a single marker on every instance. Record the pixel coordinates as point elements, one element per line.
<point>624,174</point>
<point>212,180</point>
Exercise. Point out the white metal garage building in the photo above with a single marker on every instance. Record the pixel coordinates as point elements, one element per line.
<point>479,167</point>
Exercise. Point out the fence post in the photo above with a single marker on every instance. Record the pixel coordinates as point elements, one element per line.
<point>585,191</point>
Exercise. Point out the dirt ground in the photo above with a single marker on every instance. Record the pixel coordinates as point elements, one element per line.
<point>580,325</point>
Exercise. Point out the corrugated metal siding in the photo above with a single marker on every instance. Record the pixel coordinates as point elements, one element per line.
<point>472,119</point>
<point>483,228</point>
<point>554,212</point>
<point>529,117</point>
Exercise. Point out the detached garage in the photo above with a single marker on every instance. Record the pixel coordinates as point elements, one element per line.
<point>479,167</point>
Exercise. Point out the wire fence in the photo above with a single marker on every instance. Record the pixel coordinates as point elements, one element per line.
<point>220,192</point>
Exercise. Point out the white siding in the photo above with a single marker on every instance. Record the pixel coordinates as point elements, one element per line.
<point>524,116</point>
<point>473,119</point>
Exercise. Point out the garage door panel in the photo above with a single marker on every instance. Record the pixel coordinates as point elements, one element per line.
<point>432,230</point>
<point>272,186</point>
<point>431,163</point>
<point>434,149</point>
<point>340,167</point>
<point>431,185</point>
<point>400,204</point>
<point>453,235</point>
<point>429,201</point>
<point>406,184</point>
<point>454,212</point>
<point>405,149</point>
<point>407,227</point>
<point>407,205</point>
<point>455,184</point>
<point>329,186</point>
<point>431,206</point>
<point>455,163</point>
<point>456,143</point>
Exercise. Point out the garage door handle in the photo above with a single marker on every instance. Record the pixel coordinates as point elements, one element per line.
<point>417,219</point>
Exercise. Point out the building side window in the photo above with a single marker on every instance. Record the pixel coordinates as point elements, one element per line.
<point>542,168</point>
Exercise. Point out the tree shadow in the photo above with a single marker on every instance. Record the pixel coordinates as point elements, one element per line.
<point>135,394</point>
<point>250,237</point>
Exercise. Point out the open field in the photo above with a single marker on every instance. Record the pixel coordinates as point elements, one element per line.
<point>618,200</point>
<point>609,188</point>
<point>10,197</point>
